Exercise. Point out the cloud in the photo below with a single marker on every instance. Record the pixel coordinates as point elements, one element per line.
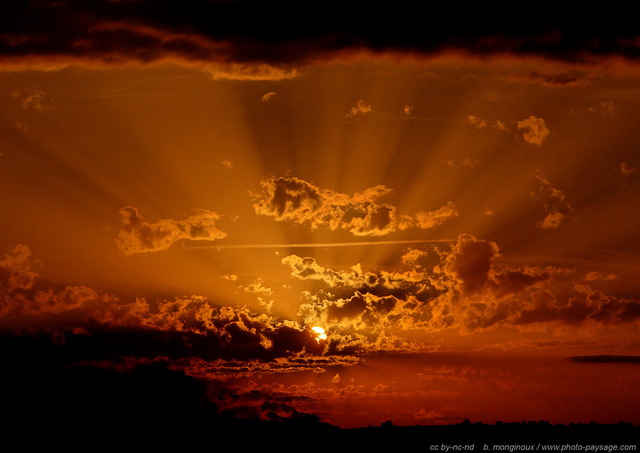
<point>117,32</point>
<point>19,263</point>
<point>471,262</point>
<point>268,96</point>
<point>556,79</point>
<point>361,108</point>
<point>595,275</point>
<point>627,169</point>
<point>423,415</point>
<point>556,209</point>
<point>362,214</point>
<point>552,220</point>
<point>605,107</point>
<point>477,122</point>
<point>606,359</point>
<point>426,220</point>
<point>407,109</point>
<point>536,132</point>
<point>138,236</point>
<point>187,326</point>
<point>32,98</point>
<point>257,287</point>
<point>588,307</point>
<point>414,257</point>
<point>469,289</point>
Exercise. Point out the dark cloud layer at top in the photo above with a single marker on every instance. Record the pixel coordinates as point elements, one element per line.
<point>281,32</point>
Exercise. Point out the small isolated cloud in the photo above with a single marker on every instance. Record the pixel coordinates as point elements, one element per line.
<point>552,220</point>
<point>426,220</point>
<point>427,415</point>
<point>136,235</point>
<point>627,169</point>
<point>606,107</point>
<point>227,163</point>
<point>534,129</point>
<point>536,132</point>
<point>595,276</point>
<point>360,108</point>
<point>407,109</point>
<point>467,163</point>
<point>267,97</point>
<point>19,264</point>
<point>554,203</point>
<point>21,127</point>
<point>258,287</point>
<point>500,125</point>
<point>558,79</point>
<point>33,99</point>
<point>477,122</point>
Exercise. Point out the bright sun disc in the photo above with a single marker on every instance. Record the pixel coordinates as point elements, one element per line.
<point>320,333</point>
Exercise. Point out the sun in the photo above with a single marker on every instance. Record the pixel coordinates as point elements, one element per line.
<point>320,333</point>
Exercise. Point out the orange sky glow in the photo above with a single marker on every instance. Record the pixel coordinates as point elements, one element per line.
<point>462,223</point>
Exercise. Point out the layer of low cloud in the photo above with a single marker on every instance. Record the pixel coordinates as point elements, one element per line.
<point>466,288</point>
<point>254,41</point>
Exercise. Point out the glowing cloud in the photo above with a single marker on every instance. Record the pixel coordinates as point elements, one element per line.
<point>554,203</point>
<point>293,199</point>
<point>426,220</point>
<point>19,263</point>
<point>33,99</point>
<point>137,235</point>
<point>536,132</point>
<point>627,169</point>
<point>268,96</point>
<point>477,122</point>
<point>360,108</point>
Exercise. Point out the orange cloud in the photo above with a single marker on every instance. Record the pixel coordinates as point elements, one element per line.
<point>138,236</point>
<point>536,132</point>
<point>293,199</point>
<point>469,290</point>
<point>33,98</point>
<point>360,108</point>
<point>426,220</point>
<point>19,264</point>
<point>555,206</point>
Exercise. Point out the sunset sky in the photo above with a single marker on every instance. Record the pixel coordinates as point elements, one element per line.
<point>454,202</point>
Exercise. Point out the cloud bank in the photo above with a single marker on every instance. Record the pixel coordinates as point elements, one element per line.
<point>257,41</point>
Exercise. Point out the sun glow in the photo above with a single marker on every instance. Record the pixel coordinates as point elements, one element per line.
<point>320,333</point>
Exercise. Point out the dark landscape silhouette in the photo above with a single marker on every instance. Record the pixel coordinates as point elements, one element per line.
<point>50,399</point>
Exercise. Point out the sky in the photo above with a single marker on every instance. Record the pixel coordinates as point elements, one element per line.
<point>355,211</point>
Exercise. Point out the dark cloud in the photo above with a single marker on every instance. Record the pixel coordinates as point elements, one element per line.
<point>606,359</point>
<point>284,32</point>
